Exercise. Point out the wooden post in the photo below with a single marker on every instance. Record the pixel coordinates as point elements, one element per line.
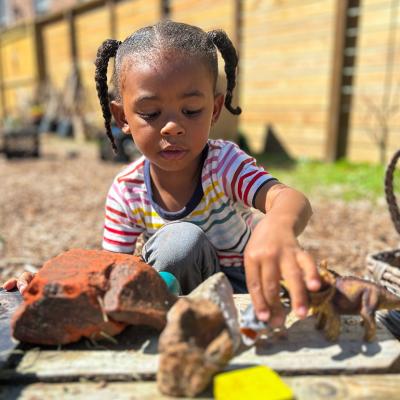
<point>75,79</point>
<point>342,78</point>
<point>72,37</point>
<point>238,25</point>
<point>38,48</point>
<point>112,18</point>
<point>237,41</point>
<point>2,95</point>
<point>165,9</point>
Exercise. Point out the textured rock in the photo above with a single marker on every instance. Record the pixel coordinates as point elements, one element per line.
<point>138,296</point>
<point>65,300</point>
<point>218,290</point>
<point>194,346</point>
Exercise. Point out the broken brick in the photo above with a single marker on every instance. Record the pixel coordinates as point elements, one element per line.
<point>65,300</point>
<point>138,296</point>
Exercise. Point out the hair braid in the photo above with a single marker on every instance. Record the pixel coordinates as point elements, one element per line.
<point>107,50</point>
<point>228,52</point>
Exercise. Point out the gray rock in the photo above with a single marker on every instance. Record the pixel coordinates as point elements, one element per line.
<point>218,290</point>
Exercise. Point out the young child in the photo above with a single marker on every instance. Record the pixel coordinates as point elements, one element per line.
<point>192,197</point>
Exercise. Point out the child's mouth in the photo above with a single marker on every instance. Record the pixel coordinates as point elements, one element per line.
<point>173,154</point>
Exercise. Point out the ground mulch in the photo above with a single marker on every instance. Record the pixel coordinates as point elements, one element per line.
<point>56,203</point>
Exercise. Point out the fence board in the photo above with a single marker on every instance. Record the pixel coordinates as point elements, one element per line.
<point>377,82</point>
<point>285,67</point>
<point>18,69</point>
<point>92,28</point>
<point>285,71</point>
<point>57,52</point>
<point>133,15</point>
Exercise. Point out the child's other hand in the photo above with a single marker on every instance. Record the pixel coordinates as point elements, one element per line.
<point>272,254</point>
<point>20,283</point>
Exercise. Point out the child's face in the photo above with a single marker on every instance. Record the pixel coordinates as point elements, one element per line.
<point>168,106</point>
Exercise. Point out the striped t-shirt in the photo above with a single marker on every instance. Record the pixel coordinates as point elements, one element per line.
<point>220,205</point>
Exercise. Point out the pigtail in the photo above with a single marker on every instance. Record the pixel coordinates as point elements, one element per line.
<point>107,50</point>
<point>228,52</point>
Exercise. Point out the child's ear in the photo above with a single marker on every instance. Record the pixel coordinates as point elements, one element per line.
<point>117,111</point>
<point>218,104</point>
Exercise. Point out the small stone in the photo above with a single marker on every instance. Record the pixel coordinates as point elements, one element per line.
<point>218,290</point>
<point>193,347</point>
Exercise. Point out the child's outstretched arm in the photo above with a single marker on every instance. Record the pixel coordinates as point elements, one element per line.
<point>273,253</point>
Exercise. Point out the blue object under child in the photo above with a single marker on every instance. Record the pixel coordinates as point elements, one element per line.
<point>171,282</point>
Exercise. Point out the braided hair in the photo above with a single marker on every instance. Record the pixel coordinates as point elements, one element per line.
<point>148,42</point>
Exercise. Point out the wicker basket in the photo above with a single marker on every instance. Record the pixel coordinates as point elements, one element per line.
<point>385,266</point>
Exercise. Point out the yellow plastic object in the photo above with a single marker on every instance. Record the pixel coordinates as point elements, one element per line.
<point>253,383</point>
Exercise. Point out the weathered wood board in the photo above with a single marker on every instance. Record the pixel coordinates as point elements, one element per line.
<point>135,356</point>
<point>9,301</point>
<point>306,351</point>
<point>353,387</point>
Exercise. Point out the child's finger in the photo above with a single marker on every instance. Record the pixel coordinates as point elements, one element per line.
<point>23,281</point>
<point>294,279</point>
<point>310,270</point>
<point>270,277</point>
<point>253,280</point>
<point>10,284</point>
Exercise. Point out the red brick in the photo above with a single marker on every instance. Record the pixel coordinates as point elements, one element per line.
<point>65,300</point>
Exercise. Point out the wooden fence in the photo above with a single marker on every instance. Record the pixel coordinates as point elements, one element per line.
<point>321,77</point>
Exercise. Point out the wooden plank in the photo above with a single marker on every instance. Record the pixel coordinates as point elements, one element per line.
<point>285,68</point>
<point>304,388</point>
<point>3,104</point>
<point>135,356</point>
<point>345,387</point>
<point>57,54</point>
<point>131,16</point>
<point>307,351</point>
<point>18,58</point>
<point>9,302</point>
<point>207,14</point>
<point>286,10</point>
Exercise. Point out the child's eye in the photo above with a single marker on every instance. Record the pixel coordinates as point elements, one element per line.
<point>148,116</point>
<point>192,113</point>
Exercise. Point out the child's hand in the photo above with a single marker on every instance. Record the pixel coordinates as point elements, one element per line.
<point>20,283</point>
<point>272,254</point>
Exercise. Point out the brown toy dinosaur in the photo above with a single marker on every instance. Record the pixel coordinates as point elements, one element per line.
<point>348,295</point>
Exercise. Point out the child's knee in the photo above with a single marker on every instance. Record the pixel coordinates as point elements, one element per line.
<point>182,249</point>
<point>179,241</point>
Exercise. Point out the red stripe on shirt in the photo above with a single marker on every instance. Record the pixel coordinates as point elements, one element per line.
<point>117,243</point>
<point>123,233</point>
<point>250,185</point>
<point>113,220</point>
<point>121,178</point>
<point>134,181</point>
<point>242,178</point>
<point>121,214</point>
<point>235,176</point>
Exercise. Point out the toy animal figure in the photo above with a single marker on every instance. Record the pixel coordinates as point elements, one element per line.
<point>348,295</point>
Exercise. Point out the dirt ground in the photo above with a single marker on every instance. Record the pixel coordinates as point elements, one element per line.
<point>56,202</point>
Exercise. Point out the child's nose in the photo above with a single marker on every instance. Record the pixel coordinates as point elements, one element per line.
<point>172,128</point>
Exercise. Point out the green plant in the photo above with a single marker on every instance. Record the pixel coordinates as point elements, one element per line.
<point>342,179</point>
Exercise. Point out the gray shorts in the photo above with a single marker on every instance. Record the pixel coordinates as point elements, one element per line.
<point>183,249</point>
